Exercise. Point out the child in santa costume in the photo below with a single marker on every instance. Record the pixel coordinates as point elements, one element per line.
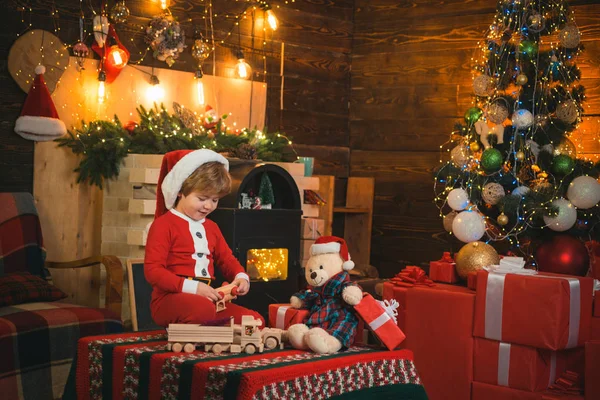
<point>184,248</point>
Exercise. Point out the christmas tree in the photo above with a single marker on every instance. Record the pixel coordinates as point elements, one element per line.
<point>265,191</point>
<point>514,175</point>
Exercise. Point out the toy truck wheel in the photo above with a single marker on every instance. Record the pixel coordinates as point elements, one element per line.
<point>217,349</point>
<point>271,343</point>
<point>250,349</point>
<point>177,347</point>
<point>189,348</point>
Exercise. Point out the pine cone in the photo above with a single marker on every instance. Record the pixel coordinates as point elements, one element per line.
<point>245,151</point>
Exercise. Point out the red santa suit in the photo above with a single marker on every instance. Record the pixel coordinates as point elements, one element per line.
<point>179,248</point>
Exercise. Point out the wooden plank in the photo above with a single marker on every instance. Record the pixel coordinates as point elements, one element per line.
<point>329,160</point>
<point>357,227</point>
<point>309,128</point>
<point>144,175</point>
<point>326,190</point>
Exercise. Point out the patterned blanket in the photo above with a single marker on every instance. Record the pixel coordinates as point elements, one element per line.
<point>138,366</point>
<point>37,345</point>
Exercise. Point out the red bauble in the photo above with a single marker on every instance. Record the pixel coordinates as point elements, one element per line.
<point>130,127</point>
<point>563,255</point>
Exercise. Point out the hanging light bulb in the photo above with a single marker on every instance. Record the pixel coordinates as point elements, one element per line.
<point>101,87</point>
<point>271,18</point>
<point>164,4</point>
<point>117,57</point>
<point>242,68</point>
<point>155,92</point>
<point>199,87</point>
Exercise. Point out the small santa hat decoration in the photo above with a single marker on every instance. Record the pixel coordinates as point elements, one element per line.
<point>333,244</point>
<point>176,167</point>
<point>39,120</point>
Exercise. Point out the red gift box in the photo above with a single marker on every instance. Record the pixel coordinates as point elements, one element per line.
<point>283,315</point>
<point>595,331</point>
<point>594,250</point>
<point>515,366</point>
<point>439,330</point>
<point>597,303</point>
<point>546,311</point>
<point>592,370</point>
<point>472,280</point>
<point>484,391</point>
<point>381,319</point>
<point>443,270</point>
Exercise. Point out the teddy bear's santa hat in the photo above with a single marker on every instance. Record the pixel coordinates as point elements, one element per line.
<point>176,167</point>
<point>333,244</point>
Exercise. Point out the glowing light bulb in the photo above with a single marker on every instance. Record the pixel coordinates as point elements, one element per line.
<point>200,91</point>
<point>155,92</point>
<point>101,87</point>
<point>272,19</point>
<point>242,68</point>
<point>164,4</point>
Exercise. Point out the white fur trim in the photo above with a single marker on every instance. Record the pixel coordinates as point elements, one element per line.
<point>40,129</point>
<point>189,286</point>
<point>242,275</point>
<point>173,181</point>
<point>324,248</point>
<point>40,69</point>
<point>348,265</point>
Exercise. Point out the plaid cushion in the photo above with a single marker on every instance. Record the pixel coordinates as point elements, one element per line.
<point>21,244</point>
<point>22,287</point>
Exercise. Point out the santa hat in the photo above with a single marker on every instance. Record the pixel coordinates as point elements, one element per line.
<point>39,119</point>
<point>176,167</point>
<point>333,244</point>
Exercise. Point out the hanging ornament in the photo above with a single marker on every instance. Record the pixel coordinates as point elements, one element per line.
<point>554,67</point>
<point>448,219</point>
<point>521,79</point>
<point>492,193</point>
<point>483,130</point>
<point>473,115</point>
<point>483,85</point>
<point>200,50</point>
<point>497,112</point>
<point>458,199</point>
<point>491,160</point>
<point>100,29</point>
<point>567,111</point>
<point>166,38</point>
<point>473,257</point>
<point>520,191</point>
<point>460,156</point>
<point>528,48</point>
<point>584,192</point>
<point>115,57</point>
<point>522,119</point>
<point>81,52</point>
<point>502,219</point>
<point>563,254</point>
<point>565,147</point>
<point>474,146</point>
<point>536,22</point>
<point>566,217</point>
<point>468,226</point>
<point>520,156</point>
<point>569,36</point>
<point>563,165</point>
<point>119,13</point>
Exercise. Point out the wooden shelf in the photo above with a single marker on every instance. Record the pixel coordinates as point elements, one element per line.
<point>351,210</point>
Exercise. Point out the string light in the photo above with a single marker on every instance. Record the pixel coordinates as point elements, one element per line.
<point>199,87</point>
<point>270,264</point>
<point>101,87</point>
<point>242,68</point>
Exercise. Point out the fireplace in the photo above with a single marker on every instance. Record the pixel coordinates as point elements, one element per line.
<point>265,241</point>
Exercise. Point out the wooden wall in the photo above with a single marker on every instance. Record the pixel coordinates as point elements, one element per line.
<point>411,81</point>
<point>317,36</point>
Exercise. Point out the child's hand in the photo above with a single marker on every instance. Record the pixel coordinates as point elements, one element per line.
<point>243,286</point>
<point>208,292</point>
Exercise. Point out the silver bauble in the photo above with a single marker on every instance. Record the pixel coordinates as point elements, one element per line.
<point>460,156</point>
<point>522,119</point>
<point>584,192</point>
<point>119,13</point>
<point>567,215</point>
<point>536,22</point>
<point>492,193</point>
<point>200,50</point>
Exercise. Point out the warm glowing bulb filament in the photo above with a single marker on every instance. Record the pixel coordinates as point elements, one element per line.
<point>272,20</point>
<point>117,57</point>
<point>101,92</point>
<point>242,69</point>
<point>200,91</point>
<point>164,4</point>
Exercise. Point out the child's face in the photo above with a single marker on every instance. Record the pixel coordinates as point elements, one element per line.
<point>197,205</point>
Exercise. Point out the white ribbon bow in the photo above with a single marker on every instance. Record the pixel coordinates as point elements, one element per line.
<point>390,308</point>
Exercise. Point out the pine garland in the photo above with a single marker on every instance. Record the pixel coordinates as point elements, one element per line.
<point>103,145</point>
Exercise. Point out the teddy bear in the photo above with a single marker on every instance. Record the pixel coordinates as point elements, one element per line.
<point>330,297</point>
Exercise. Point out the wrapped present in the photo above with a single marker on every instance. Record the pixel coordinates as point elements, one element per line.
<point>438,323</point>
<point>592,370</point>
<point>595,335</point>
<point>547,311</point>
<point>312,228</point>
<point>516,366</point>
<point>594,250</point>
<point>472,280</point>
<point>411,276</point>
<point>283,315</point>
<point>484,391</point>
<point>381,318</point>
<point>596,298</point>
<point>443,270</point>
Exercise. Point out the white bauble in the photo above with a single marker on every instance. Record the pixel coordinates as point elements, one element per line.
<point>522,119</point>
<point>468,226</point>
<point>460,156</point>
<point>448,220</point>
<point>458,199</point>
<point>520,191</point>
<point>584,192</point>
<point>492,193</point>
<point>567,215</point>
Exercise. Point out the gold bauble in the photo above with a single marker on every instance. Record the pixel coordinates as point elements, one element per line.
<point>502,219</point>
<point>521,79</point>
<point>520,155</point>
<point>474,146</point>
<point>475,256</point>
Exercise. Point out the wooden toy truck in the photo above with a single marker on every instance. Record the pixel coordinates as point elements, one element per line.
<point>228,293</point>
<point>233,338</point>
